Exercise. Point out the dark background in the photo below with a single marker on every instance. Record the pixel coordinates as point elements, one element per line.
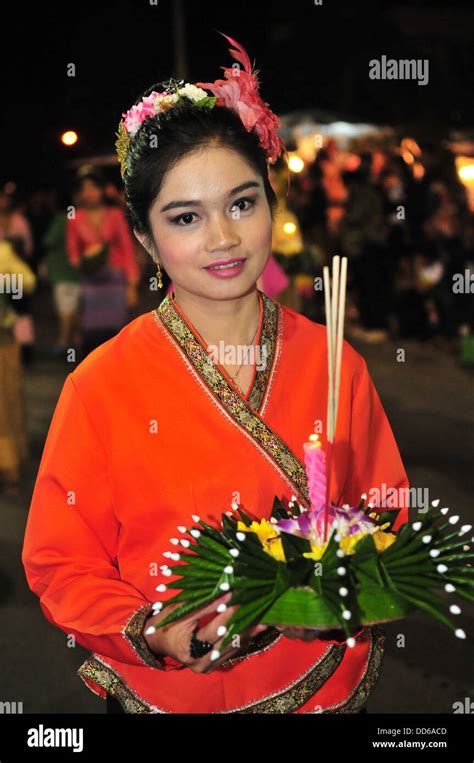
<point>309,56</point>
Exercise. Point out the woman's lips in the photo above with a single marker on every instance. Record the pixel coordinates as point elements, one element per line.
<point>228,269</point>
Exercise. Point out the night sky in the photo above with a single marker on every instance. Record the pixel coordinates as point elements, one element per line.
<point>307,55</point>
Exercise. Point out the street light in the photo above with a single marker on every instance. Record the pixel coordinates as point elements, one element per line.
<point>69,138</point>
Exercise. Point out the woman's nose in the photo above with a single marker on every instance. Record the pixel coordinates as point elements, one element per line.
<point>221,233</point>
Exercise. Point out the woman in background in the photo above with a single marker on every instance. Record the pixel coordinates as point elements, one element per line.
<point>13,439</point>
<point>64,280</point>
<point>109,287</point>
<point>15,228</point>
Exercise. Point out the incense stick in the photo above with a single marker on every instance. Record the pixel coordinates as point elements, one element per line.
<point>327,301</point>
<point>339,340</point>
<point>335,310</point>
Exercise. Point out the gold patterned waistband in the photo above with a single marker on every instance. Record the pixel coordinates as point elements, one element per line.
<point>285,700</point>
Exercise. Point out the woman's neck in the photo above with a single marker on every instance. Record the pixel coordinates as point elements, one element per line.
<point>93,207</point>
<point>233,321</point>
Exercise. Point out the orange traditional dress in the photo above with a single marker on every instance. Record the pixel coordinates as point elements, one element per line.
<point>147,432</point>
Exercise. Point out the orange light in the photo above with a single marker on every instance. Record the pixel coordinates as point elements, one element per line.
<point>289,228</point>
<point>418,171</point>
<point>69,137</point>
<point>466,173</point>
<point>295,163</point>
<point>352,162</point>
<point>411,145</point>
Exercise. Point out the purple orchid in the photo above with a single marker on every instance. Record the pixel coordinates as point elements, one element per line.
<point>310,524</point>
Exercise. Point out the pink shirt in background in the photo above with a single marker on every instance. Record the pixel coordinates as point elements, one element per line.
<point>80,234</point>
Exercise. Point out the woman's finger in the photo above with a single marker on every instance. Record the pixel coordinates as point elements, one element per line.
<point>231,650</point>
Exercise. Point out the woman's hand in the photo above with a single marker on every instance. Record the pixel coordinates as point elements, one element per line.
<point>174,640</point>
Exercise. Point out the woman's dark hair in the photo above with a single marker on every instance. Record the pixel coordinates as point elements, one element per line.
<point>89,172</point>
<point>163,141</point>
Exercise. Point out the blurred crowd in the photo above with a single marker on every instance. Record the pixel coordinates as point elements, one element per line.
<point>404,224</point>
<point>407,231</point>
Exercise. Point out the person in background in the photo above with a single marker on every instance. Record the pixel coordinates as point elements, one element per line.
<point>19,277</point>
<point>107,291</point>
<point>39,210</point>
<point>65,282</point>
<point>287,240</point>
<point>363,234</point>
<point>15,228</point>
<point>314,220</point>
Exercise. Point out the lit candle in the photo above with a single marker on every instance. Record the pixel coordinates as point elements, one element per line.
<point>315,462</point>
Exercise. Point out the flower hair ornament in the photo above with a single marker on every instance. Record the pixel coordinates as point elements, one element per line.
<point>239,91</point>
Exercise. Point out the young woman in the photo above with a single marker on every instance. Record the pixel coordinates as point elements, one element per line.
<point>153,427</point>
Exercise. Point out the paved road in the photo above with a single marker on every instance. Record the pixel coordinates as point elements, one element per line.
<point>429,401</point>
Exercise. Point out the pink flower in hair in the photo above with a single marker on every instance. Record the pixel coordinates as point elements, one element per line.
<point>239,92</point>
<point>147,107</point>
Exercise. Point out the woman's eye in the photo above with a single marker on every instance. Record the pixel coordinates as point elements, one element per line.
<point>251,202</point>
<point>176,220</point>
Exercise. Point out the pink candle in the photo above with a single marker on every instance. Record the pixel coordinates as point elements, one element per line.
<point>315,462</point>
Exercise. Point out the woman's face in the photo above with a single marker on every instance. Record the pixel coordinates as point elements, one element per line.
<point>90,194</point>
<point>212,207</point>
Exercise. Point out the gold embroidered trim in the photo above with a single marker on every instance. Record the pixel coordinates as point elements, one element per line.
<point>361,693</point>
<point>364,689</point>
<point>302,689</point>
<point>258,644</point>
<point>133,632</point>
<point>276,360</point>
<point>104,676</point>
<point>285,701</point>
<point>167,316</point>
<point>271,319</point>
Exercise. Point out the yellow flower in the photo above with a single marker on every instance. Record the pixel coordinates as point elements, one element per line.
<point>268,537</point>
<point>316,552</point>
<point>383,540</point>
<point>350,541</point>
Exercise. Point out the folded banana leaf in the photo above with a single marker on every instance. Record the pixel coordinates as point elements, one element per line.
<point>276,578</point>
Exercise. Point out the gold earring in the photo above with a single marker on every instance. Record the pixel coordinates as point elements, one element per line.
<point>158,273</point>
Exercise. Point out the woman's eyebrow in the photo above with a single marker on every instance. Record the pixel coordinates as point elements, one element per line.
<point>197,203</point>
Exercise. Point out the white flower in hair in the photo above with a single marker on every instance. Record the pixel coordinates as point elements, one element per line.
<point>193,92</point>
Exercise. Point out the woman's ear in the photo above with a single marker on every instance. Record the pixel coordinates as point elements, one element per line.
<point>143,240</point>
